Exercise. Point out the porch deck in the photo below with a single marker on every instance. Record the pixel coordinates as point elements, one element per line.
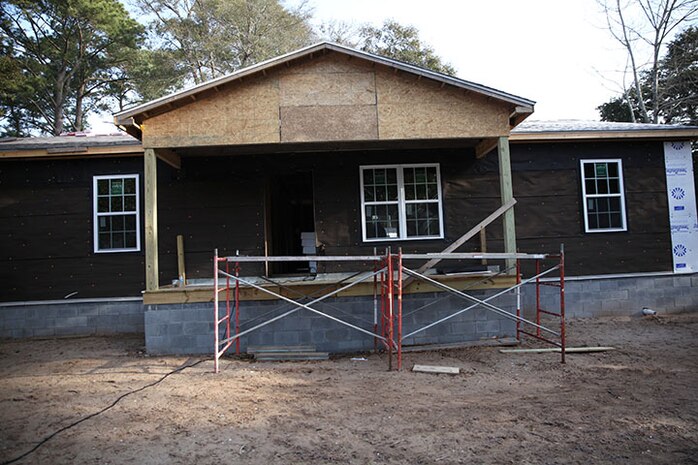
<point>292,287</point>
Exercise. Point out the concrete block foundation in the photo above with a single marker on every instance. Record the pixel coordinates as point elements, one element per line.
<point>87,317</point>
<point>188,328</point>
<point>168,327</point>
<point>618,296</point>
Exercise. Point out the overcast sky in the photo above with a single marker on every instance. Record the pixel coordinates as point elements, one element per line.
<point>555,52</point>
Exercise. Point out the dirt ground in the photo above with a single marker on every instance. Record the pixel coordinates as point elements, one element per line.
<point>636,405</point>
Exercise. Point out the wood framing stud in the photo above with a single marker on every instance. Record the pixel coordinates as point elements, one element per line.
<point>506,194</point>
<point>181,269</point>
<point>151,220</point>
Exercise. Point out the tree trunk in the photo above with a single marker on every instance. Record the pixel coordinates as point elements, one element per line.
<point>636,80</point>
<point>79,111</point>
<point>58,100</point>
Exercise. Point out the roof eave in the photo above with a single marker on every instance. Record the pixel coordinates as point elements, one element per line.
<point>653,134</point>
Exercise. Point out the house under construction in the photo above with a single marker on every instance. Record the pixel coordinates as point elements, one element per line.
<point>332,152</point>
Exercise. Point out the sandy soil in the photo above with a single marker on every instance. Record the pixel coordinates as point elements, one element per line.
<point>633,405</point>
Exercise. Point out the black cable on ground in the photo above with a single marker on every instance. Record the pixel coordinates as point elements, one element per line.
<point>92,415</point>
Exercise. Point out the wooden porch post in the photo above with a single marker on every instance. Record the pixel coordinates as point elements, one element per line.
<point>506,194</point>
<point>151,221</point>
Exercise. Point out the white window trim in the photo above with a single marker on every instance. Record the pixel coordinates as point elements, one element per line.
<point>401,202</point>
<point>96,215</point>
<point>586,196</point>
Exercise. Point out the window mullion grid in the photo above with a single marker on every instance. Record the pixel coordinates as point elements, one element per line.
<point>111,214</point>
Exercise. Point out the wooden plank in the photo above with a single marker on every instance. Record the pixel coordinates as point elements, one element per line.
<point>170,157</point>
<point>506,194</point>
<point>181,269</point>
<point>569,350</point>
<point>485,147</point>
<point>467,236</point>
<point>436,369</point>
<point>151,221</point>
<point>474,256</point>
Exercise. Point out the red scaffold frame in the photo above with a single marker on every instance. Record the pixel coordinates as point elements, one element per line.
<point>388,286</point>
<point>539,282</point>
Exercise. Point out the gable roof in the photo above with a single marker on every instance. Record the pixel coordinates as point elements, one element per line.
<point>131,116</point>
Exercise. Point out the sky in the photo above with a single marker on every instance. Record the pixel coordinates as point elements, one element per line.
<point>555,52</point>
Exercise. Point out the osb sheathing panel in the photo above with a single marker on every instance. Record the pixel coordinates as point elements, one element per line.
<point>238,114</point>
<point>328,98</point>
<point>328,123</point>
<point>327,89</point>
<point>328,80</point>
<point>412,109</point>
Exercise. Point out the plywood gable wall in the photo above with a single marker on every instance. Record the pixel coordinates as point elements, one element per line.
<point>329,98</point>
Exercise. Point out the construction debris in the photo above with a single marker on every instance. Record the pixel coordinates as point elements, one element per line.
<point>436,369</point>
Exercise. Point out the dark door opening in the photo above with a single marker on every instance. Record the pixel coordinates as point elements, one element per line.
<point>291,213</point>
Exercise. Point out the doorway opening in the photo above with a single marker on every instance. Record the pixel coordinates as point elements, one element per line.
<point>292,218</point>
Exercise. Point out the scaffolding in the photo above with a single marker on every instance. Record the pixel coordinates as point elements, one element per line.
<point>389,283</point>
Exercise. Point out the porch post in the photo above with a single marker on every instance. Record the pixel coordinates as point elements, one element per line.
<point>506,194</point>
<point>151,221</point>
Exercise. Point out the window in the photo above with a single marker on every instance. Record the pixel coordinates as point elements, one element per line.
<point>401,202</point>
<point>602,192</point>
<point>116,216</point>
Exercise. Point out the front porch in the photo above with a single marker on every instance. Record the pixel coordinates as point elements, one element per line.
<point>326,151</point>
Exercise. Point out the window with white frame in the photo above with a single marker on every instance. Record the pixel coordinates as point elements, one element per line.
<point>603,197</point>
<point>116,213</point>
<point>401,202</point>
